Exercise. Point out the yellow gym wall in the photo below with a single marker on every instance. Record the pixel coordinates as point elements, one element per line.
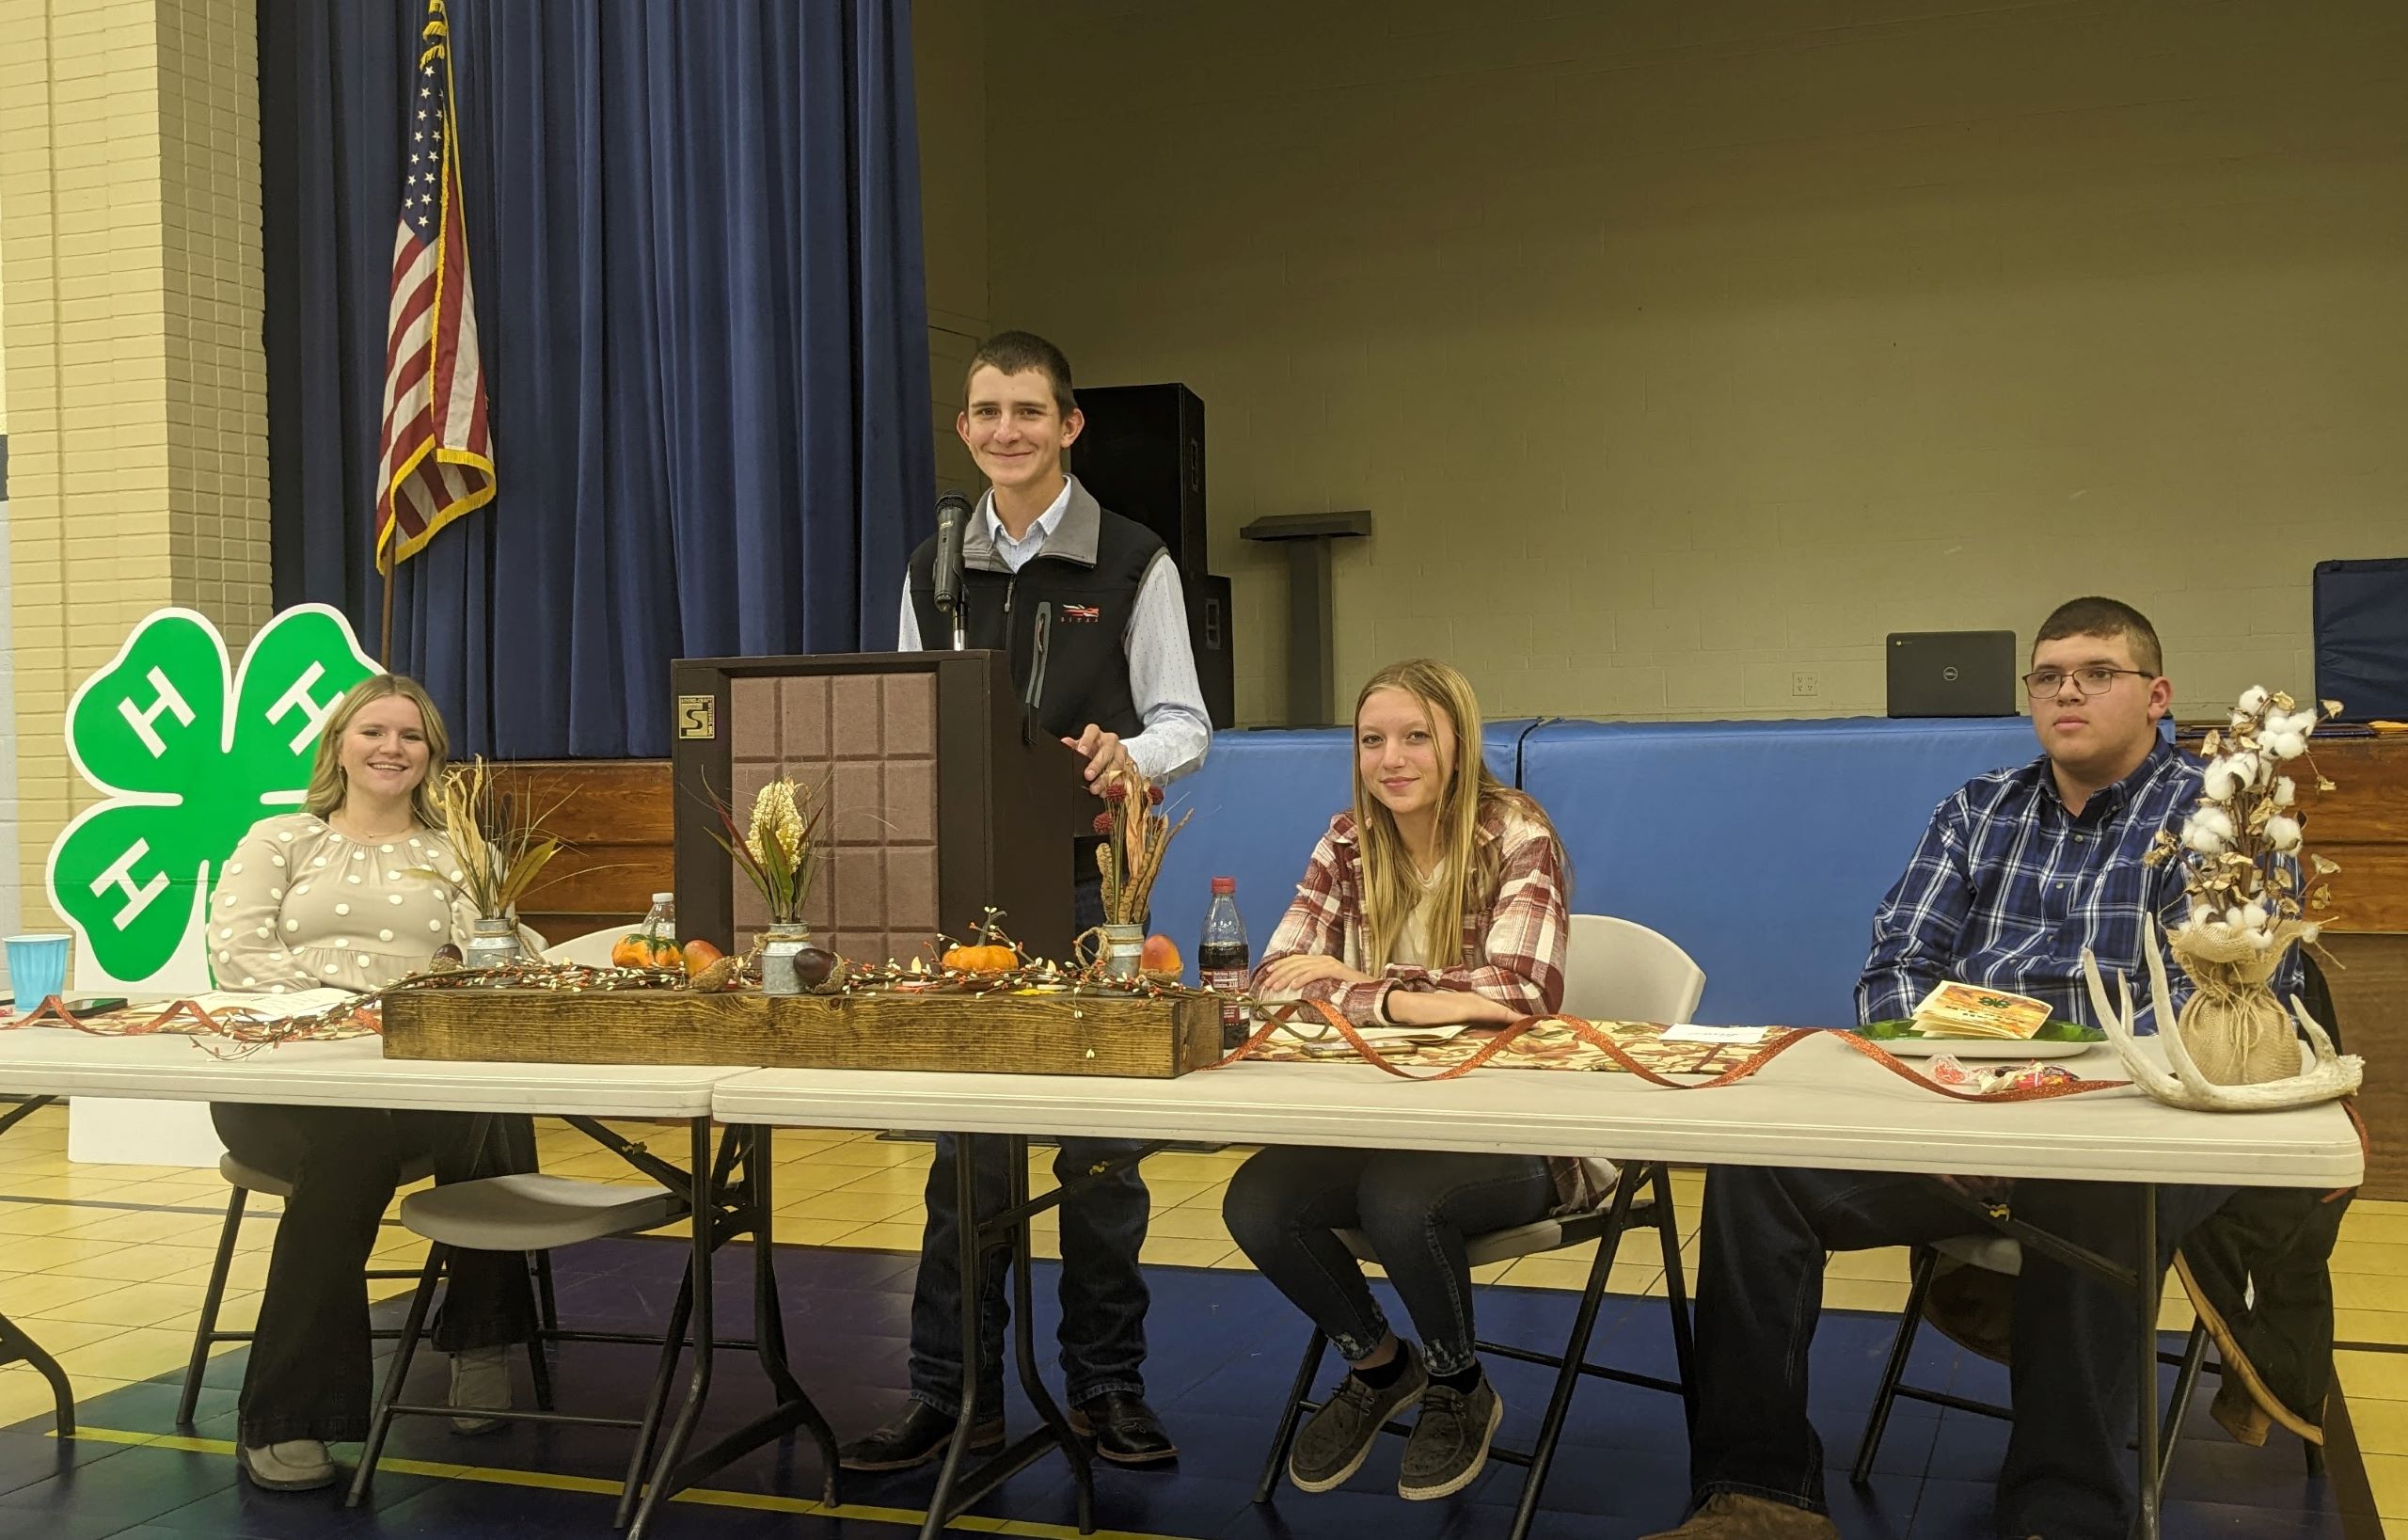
<point>137,425</point>
<point>1680,350</point>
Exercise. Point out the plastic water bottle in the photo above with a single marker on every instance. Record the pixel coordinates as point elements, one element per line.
<point>1224,961</point>
<point>660,921</point>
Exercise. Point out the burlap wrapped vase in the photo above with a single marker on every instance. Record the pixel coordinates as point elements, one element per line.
<point>2237,1031</point>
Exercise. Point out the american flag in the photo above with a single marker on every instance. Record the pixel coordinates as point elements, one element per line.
<point>437,459</point>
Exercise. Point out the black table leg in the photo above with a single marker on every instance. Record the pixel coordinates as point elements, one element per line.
<point>1025,1340</point>
<point>725,1206</point>
<point>702,1227</point>
<point>794,1408</point>
<point>15,1346</point>
<point>966,1239</point>
<point>2148,1285</point>
<point>956,1488</point>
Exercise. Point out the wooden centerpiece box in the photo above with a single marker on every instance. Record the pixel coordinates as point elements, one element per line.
<point>940,799</point>
<point>1137,1035</point>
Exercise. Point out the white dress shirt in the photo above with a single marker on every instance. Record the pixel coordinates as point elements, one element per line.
<point>1161,665</point>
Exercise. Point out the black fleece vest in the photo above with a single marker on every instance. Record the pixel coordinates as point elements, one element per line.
<point>1058,616</point>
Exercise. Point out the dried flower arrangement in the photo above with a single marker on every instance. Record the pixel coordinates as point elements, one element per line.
<point>2233,1047</point>
<point>778,849</point>
<point>495,837</point>
<point>1136,837</point>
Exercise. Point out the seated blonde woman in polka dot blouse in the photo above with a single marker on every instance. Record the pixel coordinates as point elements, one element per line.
<point>302,906</point>
<point>326,898</point>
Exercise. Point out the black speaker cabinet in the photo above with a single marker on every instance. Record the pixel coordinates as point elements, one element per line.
<point>1142,454</point>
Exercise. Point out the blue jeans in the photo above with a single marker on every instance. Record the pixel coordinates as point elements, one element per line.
<point>2067,1475</point>
<point>1286,1204</point>
<point>1102,1290</point>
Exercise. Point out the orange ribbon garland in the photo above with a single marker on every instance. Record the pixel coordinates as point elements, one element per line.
<point>1785,1037</point>
<point>54,1009</point>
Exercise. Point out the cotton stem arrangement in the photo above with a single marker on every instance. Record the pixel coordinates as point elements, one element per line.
<point>1135,835</point>
<point>2246,870</point>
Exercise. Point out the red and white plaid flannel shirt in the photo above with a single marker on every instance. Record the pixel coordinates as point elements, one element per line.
<point>1513,941</point>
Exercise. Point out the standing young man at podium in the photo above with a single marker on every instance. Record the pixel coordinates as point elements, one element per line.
<point>1088,604</point>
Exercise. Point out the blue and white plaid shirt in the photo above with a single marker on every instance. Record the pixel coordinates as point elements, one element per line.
<point>2007,888</point>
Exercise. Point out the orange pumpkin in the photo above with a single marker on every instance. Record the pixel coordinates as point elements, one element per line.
<point>640,949</point>
<point>700,954</point>
<point>1161,956</point>
<point>989,958</point>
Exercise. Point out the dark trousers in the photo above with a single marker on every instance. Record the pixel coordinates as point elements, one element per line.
<point>309,1365</point>
<point>2068,1474</point>
<point>1103,1291</point>
<point>1286,1204</point>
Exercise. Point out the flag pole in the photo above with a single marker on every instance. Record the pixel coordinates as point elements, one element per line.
<point>384,635</point>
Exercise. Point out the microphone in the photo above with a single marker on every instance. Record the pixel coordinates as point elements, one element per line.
<point>952,521</point>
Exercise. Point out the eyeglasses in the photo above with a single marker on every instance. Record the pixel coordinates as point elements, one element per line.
<point>2043,683</point>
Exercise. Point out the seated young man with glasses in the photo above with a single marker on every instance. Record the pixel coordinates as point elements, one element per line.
<point>2019,871</point>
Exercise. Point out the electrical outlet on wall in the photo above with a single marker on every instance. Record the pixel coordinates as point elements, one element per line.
<point>1805,685</point>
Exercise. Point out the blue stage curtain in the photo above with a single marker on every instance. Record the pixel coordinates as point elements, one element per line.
<point>694,230</point>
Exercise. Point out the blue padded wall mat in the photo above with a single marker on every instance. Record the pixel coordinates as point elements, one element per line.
<point>1261,801</point>
<point>1759,847</point>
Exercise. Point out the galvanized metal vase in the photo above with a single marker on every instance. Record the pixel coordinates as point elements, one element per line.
<point>782,950</point>
<point>493,943</point>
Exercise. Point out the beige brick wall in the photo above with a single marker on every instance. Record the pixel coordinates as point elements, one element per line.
<point>129,174</point>
<point>1679,349</point>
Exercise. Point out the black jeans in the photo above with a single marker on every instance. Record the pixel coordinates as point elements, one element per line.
<point>2067,1476</point>
<point>1103,1291</point>
<point>309,1376</point>
<point>1286,1204</point>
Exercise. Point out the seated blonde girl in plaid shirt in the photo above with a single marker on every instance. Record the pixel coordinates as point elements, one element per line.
<point>1438,898</point>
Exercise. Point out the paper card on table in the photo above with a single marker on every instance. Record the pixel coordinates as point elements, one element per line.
<point>1381,1038</point>
<point>1968,1010</point>
<point>1692,1032</point>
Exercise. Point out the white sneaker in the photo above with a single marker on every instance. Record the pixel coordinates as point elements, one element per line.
<point>297,1465</point>
<point>480,1379</point>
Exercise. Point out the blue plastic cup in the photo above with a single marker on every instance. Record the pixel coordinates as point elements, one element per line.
<point>37,969</point>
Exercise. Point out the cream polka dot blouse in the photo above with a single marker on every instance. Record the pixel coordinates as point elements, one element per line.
<point>299,906</point>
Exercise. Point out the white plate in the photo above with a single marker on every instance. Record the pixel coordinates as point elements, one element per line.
<point>1982,1047</point>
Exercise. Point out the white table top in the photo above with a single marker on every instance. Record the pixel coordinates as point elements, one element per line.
<point>351,1071</point>
<point>1819,1104</point>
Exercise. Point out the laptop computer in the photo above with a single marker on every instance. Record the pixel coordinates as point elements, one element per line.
<point>1953,673</point>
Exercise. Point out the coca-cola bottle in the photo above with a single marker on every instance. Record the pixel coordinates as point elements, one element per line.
<point>1224,961</point>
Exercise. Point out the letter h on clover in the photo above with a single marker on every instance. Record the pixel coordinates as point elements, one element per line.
<point>187,760</point>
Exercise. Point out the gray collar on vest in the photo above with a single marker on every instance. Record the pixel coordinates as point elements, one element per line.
<point>1073,540</point>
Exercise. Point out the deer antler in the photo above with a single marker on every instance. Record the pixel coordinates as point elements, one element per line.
<point>2335,1075</point>
<point>2146,1073</point>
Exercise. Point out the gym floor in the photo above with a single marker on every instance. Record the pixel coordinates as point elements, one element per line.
<point>104,1265</point>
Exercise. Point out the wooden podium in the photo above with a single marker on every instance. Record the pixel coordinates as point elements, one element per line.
<point>943,797</point>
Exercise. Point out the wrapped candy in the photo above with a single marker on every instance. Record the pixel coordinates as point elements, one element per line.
<point>1993,1078</point>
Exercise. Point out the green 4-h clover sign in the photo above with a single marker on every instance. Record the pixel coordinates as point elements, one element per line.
<point>189,760</point>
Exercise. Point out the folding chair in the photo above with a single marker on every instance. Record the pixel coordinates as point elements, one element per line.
<point>1604,1226</point>
<point>246,1180</point>
<point>529,1213</point>
<point>1615,970</point>
<point>1997,1254</point>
